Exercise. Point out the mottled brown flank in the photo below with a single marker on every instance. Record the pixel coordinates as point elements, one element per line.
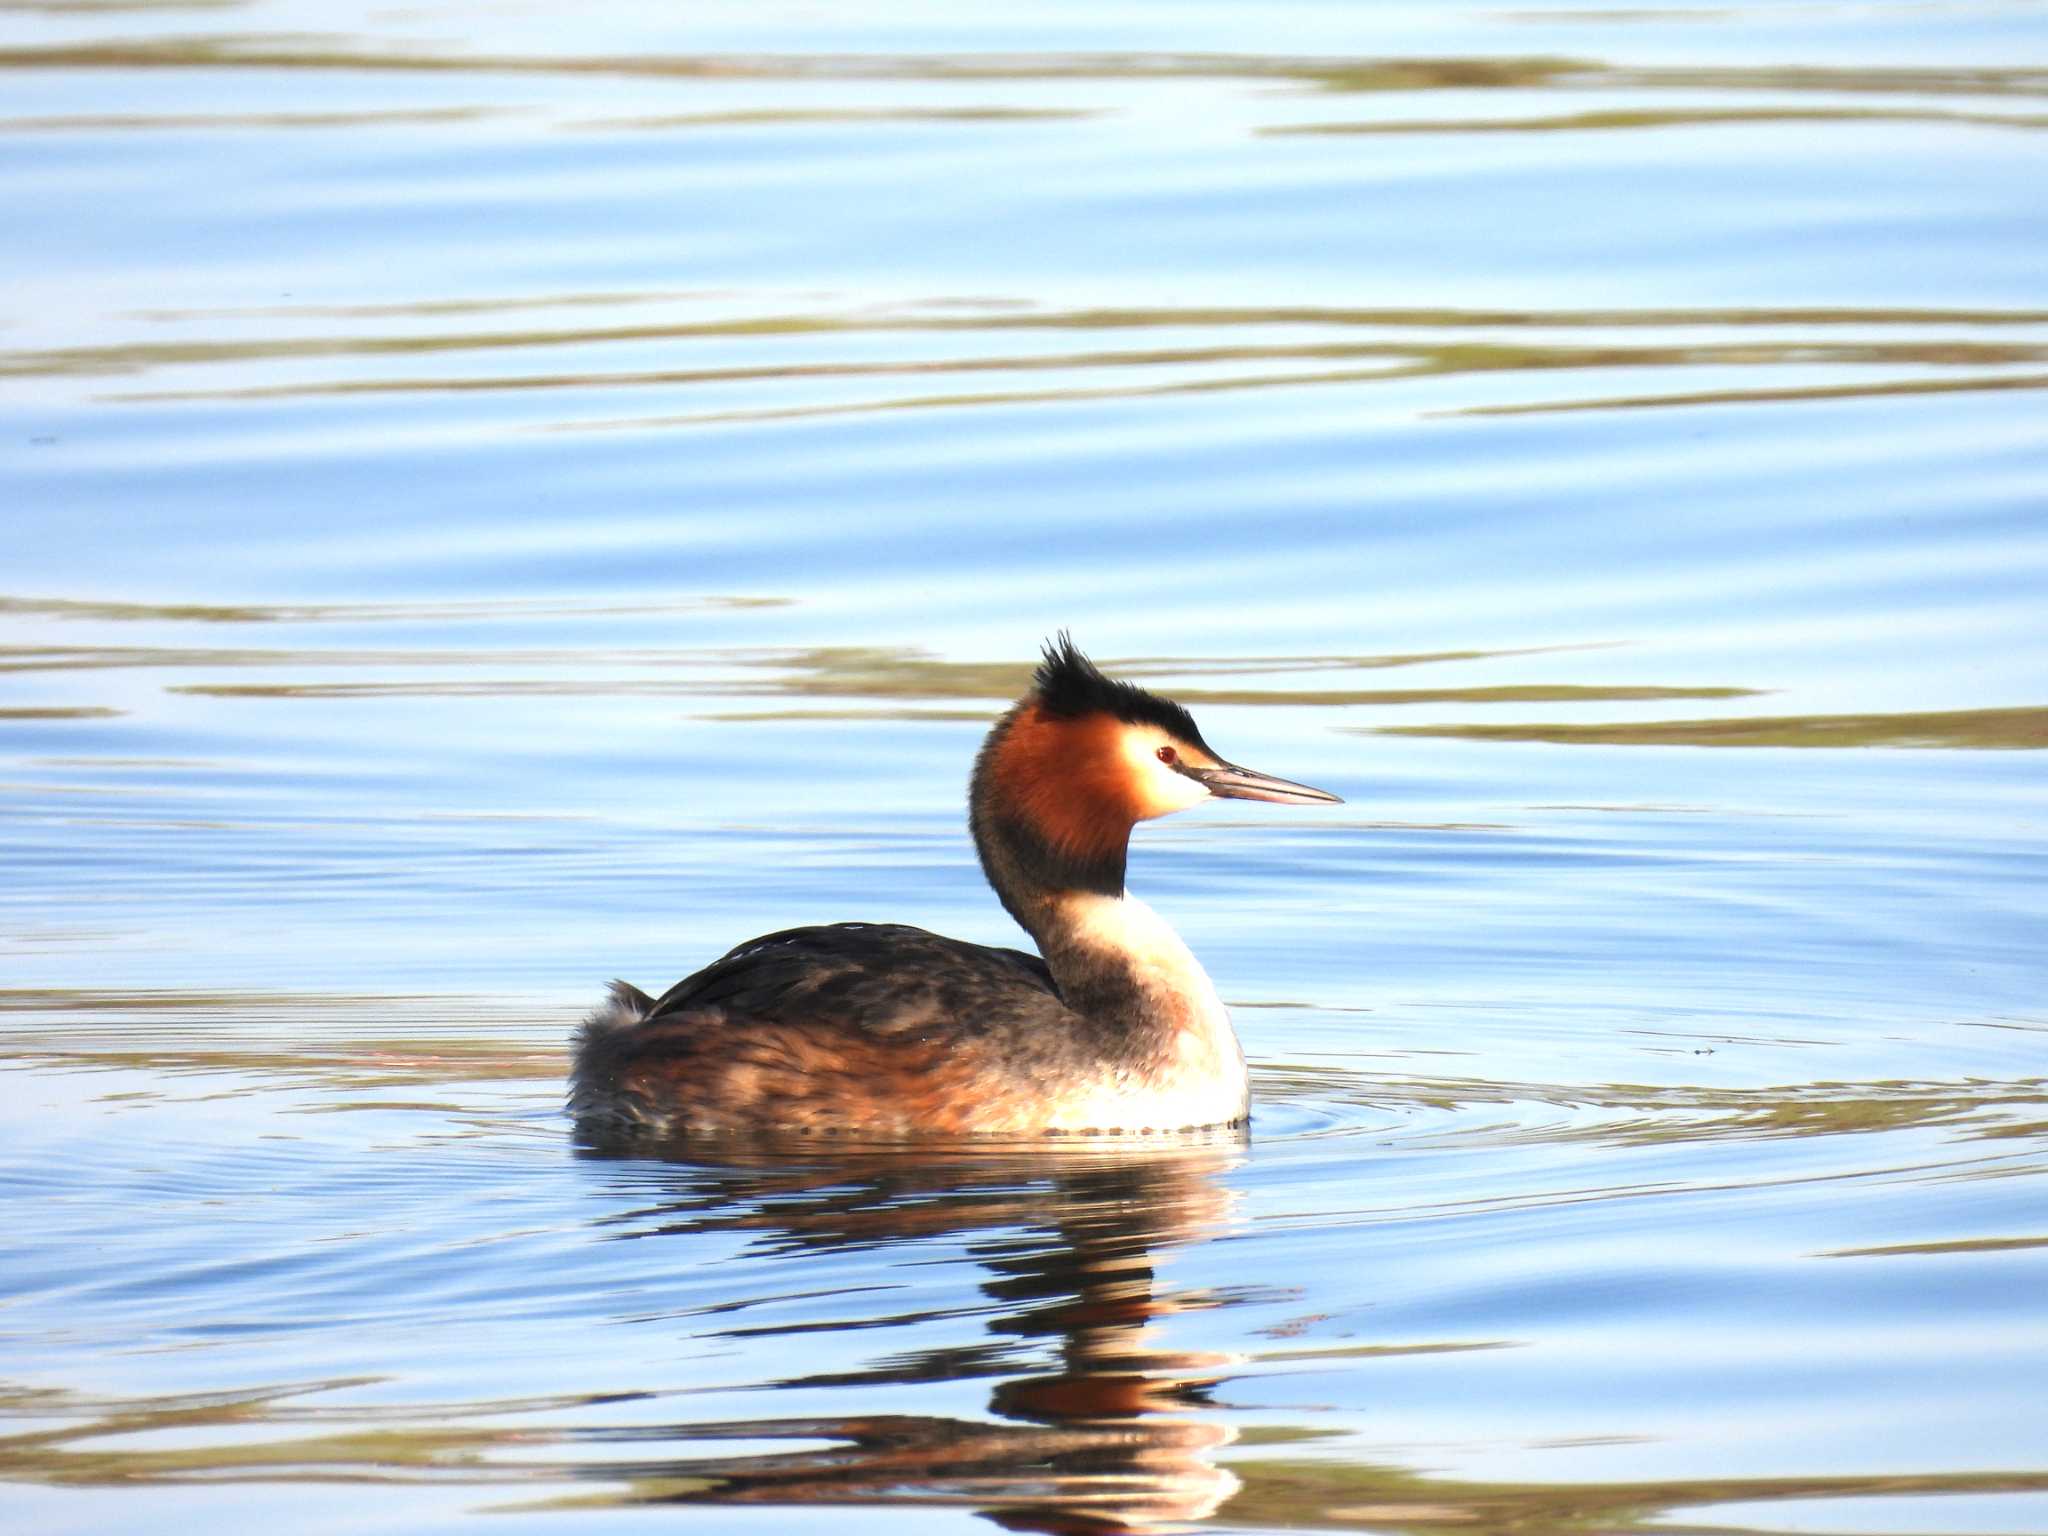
<point>806,1075</point>
<point>1068,781</point>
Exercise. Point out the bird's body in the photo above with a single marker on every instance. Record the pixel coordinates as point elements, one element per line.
<point>886,1031</point>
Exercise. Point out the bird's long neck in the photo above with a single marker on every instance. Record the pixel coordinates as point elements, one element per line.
<point>1117,963</point>
<point>1143,1009</point>
<point>1037,853</point>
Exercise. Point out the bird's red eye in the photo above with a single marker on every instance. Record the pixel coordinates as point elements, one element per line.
<point>1168,755</point>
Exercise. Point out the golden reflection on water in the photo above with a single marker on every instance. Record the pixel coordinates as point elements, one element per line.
<point>175,122</point>
<point>1002,316</point>
<point>439,611</point>
<point>909,677</point>
<point>1947,355</point>
<point>825,672</point>
<point>1401,361</point>
<point>797,117</point>
<point>2024,728</point>
<point>1672,117</point>
<point>1341,75</point>
<point>963,399</point>
<point>551,687</point>
<point>1963,1245</point>
<point>1869,391</point>
<point>1192,371</point>
<point>1390,356</point>
<point>1638,1115</point>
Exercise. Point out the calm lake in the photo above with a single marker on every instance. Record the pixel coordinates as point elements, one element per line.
<point>496,497</point>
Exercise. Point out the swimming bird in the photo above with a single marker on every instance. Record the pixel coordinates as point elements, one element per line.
<point>883,1031</point>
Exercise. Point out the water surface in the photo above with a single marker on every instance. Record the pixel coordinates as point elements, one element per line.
<point>495,500</point>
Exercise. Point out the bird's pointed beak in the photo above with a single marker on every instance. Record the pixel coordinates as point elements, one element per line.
<point>1227,781</point>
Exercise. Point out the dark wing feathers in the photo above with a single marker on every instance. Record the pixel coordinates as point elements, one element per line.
<point>880,977</point>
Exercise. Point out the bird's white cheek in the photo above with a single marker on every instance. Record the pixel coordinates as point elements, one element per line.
<point>1168,792</point>
<point>1160,789</point>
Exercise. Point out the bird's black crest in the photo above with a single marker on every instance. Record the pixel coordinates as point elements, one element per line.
<point>1069,684</point>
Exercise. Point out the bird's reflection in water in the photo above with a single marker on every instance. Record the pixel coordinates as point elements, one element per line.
<point>1113,1439</point>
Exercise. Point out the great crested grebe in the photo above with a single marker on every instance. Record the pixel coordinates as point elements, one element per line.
<point>880,1030</point>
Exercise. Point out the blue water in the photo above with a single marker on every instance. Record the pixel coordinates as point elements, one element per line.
<point>493,499</point>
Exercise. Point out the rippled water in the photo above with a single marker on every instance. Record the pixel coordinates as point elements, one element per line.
<point>496,498</point>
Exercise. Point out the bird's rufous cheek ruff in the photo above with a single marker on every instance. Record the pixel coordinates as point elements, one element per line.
<point>1067,780</point>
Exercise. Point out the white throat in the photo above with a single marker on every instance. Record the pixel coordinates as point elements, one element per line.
<point>1197,1075</point>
